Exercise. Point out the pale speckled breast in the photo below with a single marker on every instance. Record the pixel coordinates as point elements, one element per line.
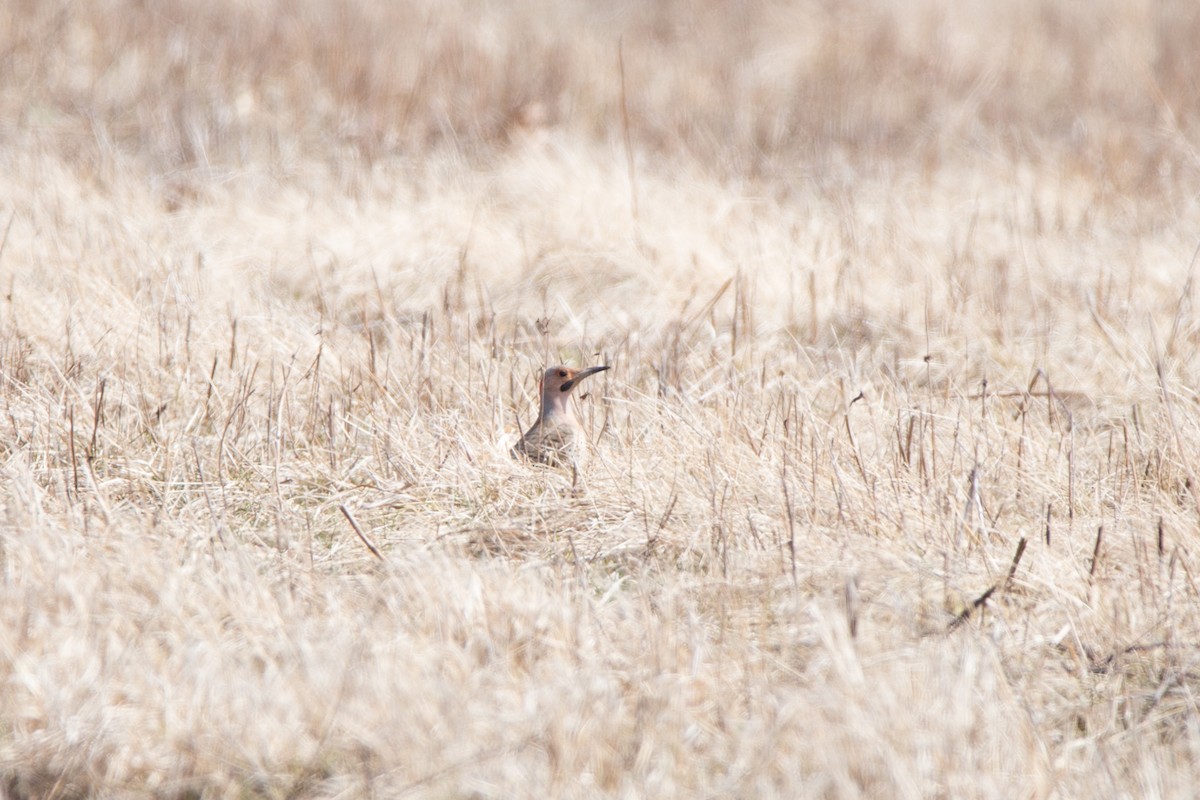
<point>555,445</point>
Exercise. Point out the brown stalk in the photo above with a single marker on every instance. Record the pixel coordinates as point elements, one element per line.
<point>362,536</point>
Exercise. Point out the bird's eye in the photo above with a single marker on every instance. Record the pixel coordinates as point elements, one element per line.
<point>562,373</point>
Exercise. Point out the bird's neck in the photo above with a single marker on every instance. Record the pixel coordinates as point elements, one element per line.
<point>556,406</point>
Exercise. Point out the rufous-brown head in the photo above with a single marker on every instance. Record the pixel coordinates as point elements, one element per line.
<point>557,384</point>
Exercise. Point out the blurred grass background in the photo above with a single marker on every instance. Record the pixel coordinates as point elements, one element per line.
<point>749,89</point>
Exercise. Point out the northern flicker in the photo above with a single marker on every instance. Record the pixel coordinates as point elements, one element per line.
<point>557,438</point>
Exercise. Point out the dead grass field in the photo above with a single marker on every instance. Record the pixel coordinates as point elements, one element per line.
<point>895,487</point>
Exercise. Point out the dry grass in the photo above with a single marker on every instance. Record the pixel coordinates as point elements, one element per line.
<point>895,492</point>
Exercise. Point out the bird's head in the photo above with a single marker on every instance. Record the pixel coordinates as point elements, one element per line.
<point>557,384</point>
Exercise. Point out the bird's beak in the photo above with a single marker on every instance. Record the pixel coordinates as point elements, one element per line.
<point>583,373</point>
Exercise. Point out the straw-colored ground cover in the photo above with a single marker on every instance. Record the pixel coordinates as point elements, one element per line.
<point>895,483</point>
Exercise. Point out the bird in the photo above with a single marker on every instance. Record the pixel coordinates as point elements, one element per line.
<point>557,439</point>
